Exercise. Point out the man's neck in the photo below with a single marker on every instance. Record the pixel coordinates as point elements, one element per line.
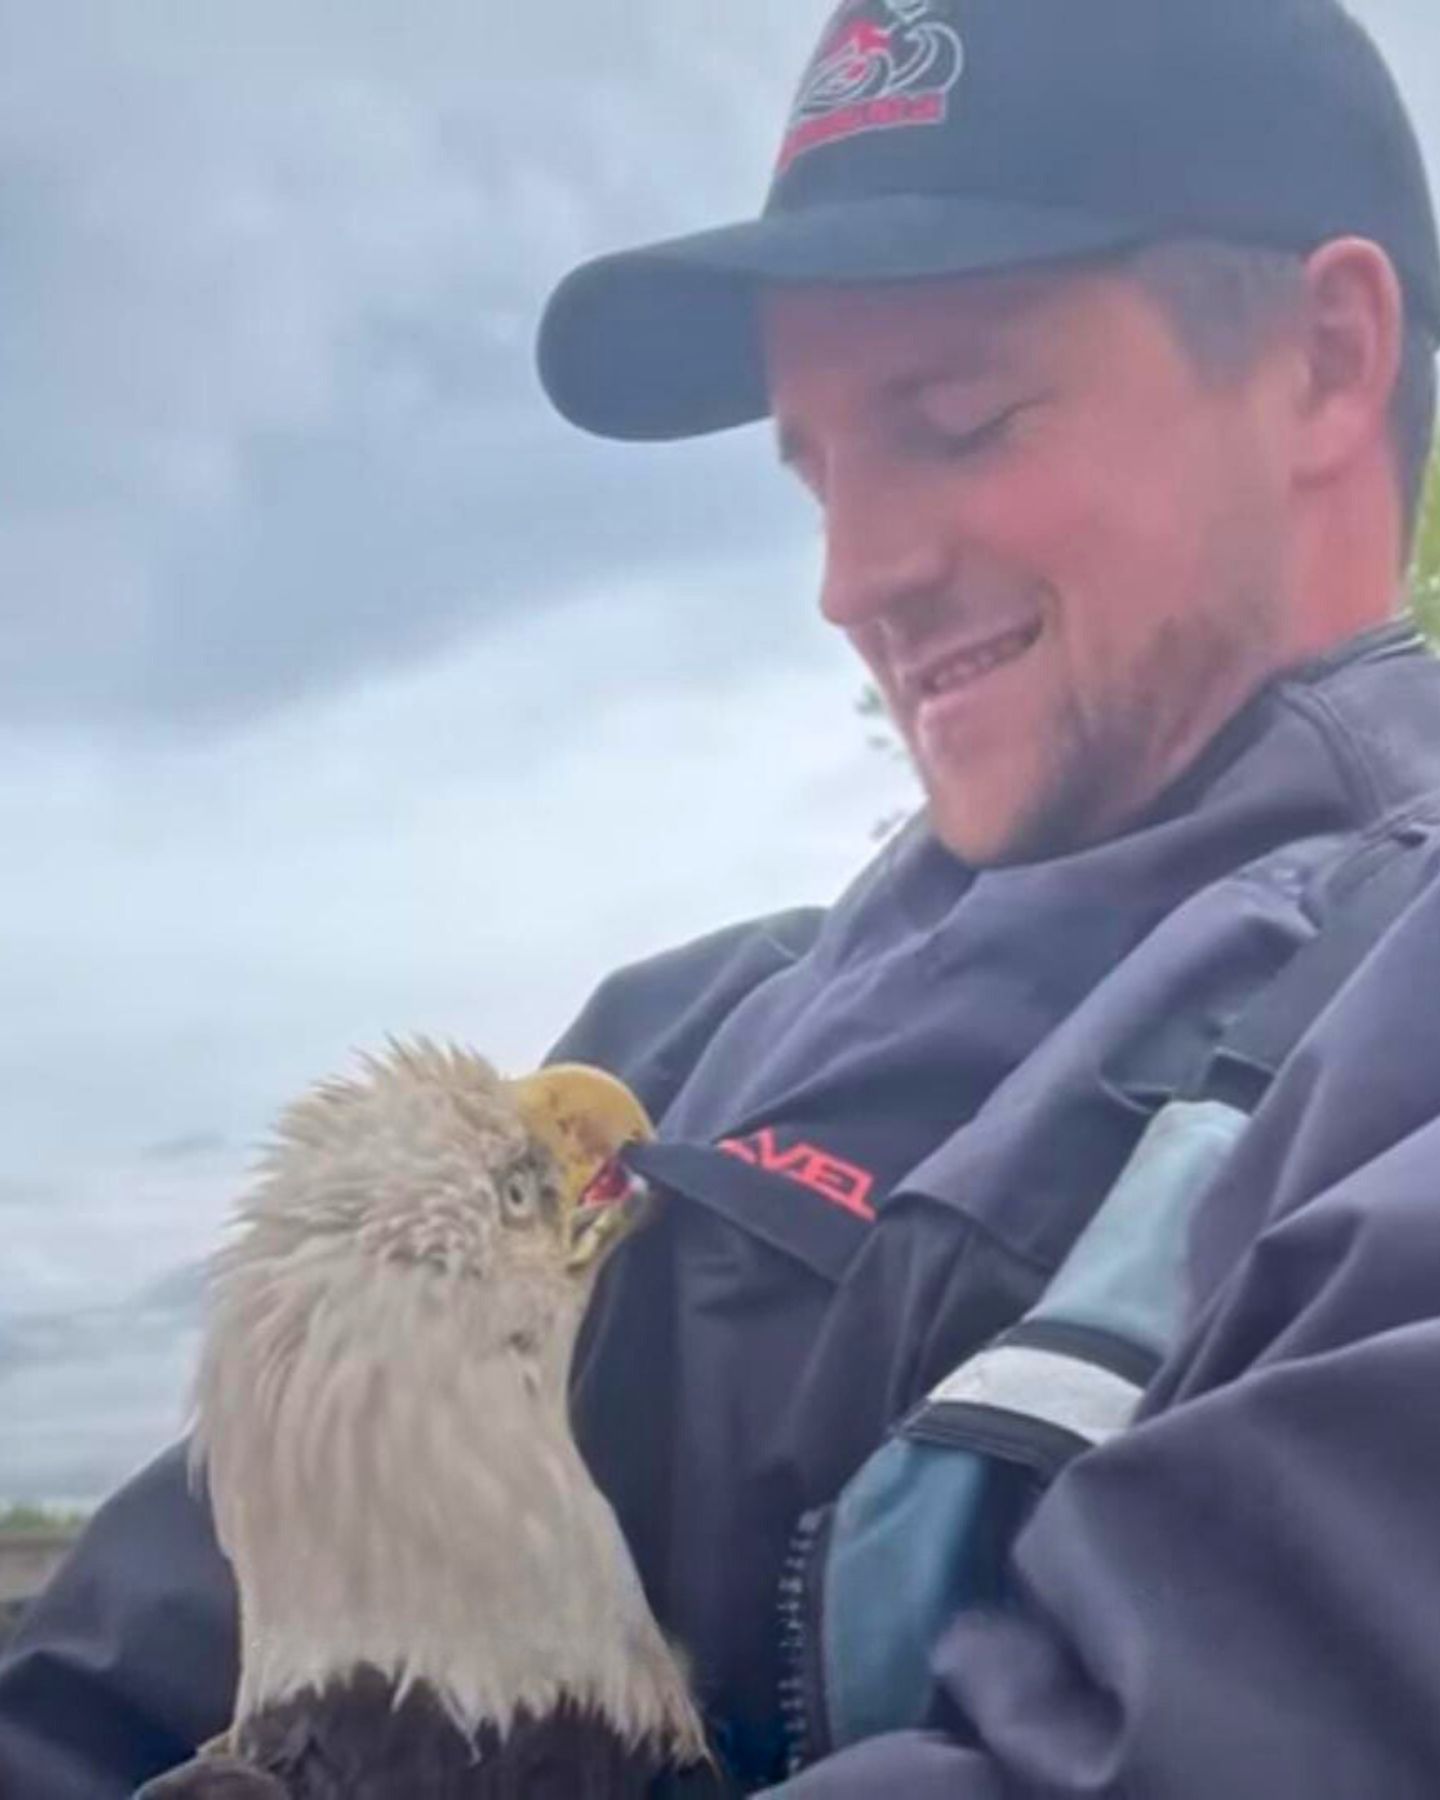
<point>1345,570</point>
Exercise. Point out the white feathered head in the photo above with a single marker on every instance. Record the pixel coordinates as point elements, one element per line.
<point>381,1409</point>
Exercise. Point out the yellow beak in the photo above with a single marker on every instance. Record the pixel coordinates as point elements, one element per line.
<point>583,1117</point>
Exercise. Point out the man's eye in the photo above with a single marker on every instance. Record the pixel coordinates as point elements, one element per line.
<point>951,441</point>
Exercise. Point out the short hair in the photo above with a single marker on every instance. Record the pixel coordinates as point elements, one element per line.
<point>1225,300</point>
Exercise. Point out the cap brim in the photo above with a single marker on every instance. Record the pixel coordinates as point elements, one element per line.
<point>663,342</point>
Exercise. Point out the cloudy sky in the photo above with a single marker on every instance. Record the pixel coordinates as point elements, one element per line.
<point>343,690</point>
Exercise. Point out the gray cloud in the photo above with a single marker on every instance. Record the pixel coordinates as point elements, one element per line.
<point>272,275</point>
<point>271,284</point>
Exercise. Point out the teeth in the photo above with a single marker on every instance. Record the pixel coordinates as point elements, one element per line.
<point>955,671</point>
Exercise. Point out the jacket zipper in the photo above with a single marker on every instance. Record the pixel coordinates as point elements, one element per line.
<point>801,1691</point>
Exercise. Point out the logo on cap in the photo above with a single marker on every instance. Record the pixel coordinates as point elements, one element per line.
<point>880,67</point>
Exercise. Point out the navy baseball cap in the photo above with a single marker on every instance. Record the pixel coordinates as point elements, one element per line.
<point>936,138</point>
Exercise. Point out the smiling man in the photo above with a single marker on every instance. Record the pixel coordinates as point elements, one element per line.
<point>1081,326</point>
<point>998,464</point>
<point>984,1421</point>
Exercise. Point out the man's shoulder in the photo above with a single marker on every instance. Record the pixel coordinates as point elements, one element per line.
<point>648,1021</point>
<point>1375,706</point>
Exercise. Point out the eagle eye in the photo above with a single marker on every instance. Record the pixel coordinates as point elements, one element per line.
<point>519,1196</point>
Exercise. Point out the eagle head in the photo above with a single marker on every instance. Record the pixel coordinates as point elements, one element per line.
<point>381,1413</point>
<point>436,1186</point>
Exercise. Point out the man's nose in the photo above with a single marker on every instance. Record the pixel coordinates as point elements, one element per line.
<point>878,560</point>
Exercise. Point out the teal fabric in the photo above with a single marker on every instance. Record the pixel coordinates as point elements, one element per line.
<point>903,1560</point>
<point>923,1531</point>
<point>1126,1273</point>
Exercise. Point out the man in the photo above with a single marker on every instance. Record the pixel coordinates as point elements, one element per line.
<point>1102,333</point>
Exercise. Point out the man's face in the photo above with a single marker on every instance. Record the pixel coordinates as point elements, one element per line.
<point>1059,548</point>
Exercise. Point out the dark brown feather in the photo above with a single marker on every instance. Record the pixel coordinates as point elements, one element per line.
<point>213,1778</point>
<point>353,1742</point>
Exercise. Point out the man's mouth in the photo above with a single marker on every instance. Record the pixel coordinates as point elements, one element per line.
<point>963,667</point>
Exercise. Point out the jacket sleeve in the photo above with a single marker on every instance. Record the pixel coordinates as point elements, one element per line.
<point>127,1662</point>
<point>1237,1596</point>
<point>650,1023</point>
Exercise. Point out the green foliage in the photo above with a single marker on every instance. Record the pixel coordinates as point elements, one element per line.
<point>41,1520</point>
<point>1425,576</point>
<point>881,735</point>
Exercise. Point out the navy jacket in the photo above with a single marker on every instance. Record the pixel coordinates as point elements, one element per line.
<point>882,1129</point>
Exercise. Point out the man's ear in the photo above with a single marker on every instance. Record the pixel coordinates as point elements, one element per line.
<point>1354,327</point>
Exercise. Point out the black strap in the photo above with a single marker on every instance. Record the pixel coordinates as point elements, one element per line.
<point>1251,1052</point>
<point>788,1217</point>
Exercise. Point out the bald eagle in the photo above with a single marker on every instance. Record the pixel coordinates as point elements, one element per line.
<point>435,1599</point>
